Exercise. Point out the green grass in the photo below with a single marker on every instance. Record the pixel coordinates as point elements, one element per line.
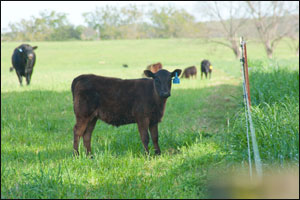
<point>275,112</point>
<point>202,130</point>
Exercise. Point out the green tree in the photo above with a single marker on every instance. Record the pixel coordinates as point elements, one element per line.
<point>50,25</point>
<point>65,33</point>
<point>106,20</point>
<point>171,22</point>
<point>131,22</point>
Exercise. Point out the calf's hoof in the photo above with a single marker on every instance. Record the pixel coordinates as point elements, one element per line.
<point>157,152</point>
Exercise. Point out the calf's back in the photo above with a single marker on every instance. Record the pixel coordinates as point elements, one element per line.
<point>115,101</point>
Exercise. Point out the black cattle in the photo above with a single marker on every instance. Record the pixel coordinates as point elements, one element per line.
<point>206,68</point>
<point>189,72</point>
<point>119,102</point>
<point>23,60</point>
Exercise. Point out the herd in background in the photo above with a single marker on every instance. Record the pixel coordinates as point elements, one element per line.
<point>189,72</point>
<point>23,60</point>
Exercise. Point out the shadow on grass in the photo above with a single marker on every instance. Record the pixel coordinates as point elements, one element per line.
<point>45,119</point>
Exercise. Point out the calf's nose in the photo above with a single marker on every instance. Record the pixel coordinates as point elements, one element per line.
<point>30,56</point>
<point>165,94</point>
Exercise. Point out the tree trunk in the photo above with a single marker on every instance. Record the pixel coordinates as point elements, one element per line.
<point>236,52</point>
<point>235,48</point>
<point>269,50</point>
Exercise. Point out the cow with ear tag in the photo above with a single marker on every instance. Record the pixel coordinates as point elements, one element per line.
<point>23,60</point>
<point>119,102</point>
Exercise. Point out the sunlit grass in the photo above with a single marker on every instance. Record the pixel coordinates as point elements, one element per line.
<point>275,112</point>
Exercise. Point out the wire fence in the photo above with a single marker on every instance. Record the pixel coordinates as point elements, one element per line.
<point>248,117</point>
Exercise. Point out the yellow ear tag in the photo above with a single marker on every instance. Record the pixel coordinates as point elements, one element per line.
<point>210,67</point>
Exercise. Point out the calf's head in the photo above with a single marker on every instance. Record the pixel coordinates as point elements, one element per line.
<point>26,51</point>
<point>162,81</point>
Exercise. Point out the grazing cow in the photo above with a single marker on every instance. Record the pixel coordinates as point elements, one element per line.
<point>189,72</point>
<point>119,102</point>
<point>23,60</point>
<point>206,68</point>
<point>154,67</point>
<point>125,65</point>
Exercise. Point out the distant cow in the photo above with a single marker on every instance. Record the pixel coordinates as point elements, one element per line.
<point>23,60</point>
<point>189,72</point>
<point>119,102</point>
<point>125,65</point>
<point>206,68</point>
<point>154,67</point>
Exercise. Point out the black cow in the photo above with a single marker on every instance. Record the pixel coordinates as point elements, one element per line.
<point>119,102</point>
<point>206,68</point>
<point>23,60</point>
<point>189,72</point>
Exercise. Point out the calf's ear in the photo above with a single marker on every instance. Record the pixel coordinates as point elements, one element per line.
<point>178,72</point>
<point>35,47</point>
<point>148,73</point>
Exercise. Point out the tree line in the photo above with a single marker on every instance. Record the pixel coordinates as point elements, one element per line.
<point>268,22</point>
<point>109,22</point>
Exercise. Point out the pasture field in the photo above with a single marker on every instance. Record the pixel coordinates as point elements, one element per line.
<point>202,130</point>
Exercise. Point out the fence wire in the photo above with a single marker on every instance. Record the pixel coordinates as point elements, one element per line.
<point>258,165</point>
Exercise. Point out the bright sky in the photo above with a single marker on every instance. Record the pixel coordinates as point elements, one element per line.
<point>14,11</point>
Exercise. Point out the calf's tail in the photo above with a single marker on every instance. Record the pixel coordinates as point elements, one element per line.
<point>73,86</point>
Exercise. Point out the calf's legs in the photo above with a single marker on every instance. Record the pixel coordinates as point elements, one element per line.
<point>154,135</point>
<point>143,129</point>
<point>88,134</point>
<point>84,128</point>
<point>79,129</point>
